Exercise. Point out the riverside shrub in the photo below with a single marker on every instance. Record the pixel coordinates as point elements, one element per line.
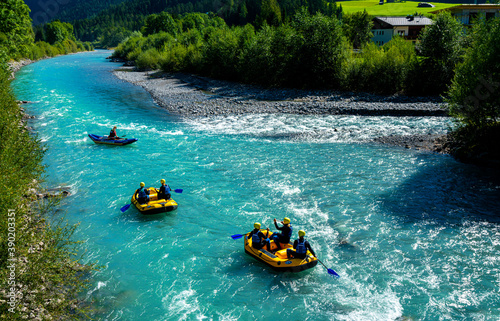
<point>474,95</point>
<point>440,49</point>
<point>149,59</point>
<point>381,70</point>
<point>322,50</point>
<point>220,54</point>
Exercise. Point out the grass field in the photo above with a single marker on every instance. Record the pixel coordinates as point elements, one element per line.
<point>402,8</point>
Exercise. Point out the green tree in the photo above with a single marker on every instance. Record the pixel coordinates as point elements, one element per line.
<point>113,36</point>
<point>57,32</point>
<point>16,34</point>
<point>323,49</point>
<point>270,13</point>
<point>440,48</point>
<point>474,95</point>
<point>358,28</point>
<point>160,22</point>
<point>269,57</point>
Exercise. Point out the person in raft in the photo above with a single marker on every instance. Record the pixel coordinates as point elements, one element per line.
<point>285,235</point>
<point>258,238</point>
<point>164,192</point>
<point>142,194</point>
<point>301,246</point>
<point>112,134</point>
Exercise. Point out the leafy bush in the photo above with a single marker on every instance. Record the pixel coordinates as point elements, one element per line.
<point>177,58</point>
<point>474,95</point>
<point>322,50</point>
<point>270,57</point>
<point>382,70</point>
<point>358,28</point>
<point>125,48</point>
<point>220,54</point>
<point>162,22</point>
<point>440,48</point>
<point>149,59</point>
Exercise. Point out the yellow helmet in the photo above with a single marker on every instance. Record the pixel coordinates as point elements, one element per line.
<point>286,220</point>
<point>162,181</point>
<point>302,233</point>
<point>256,225</point>
<point>142,184</point>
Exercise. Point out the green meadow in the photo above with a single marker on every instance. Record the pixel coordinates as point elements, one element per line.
<point>401,8</point>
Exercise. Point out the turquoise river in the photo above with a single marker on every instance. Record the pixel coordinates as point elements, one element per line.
<point>414,235</point>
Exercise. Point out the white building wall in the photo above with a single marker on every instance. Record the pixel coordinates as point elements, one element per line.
<point>401,31</point>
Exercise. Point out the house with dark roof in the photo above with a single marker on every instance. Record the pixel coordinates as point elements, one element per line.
<point>384,28</point>
<point>466,13</point>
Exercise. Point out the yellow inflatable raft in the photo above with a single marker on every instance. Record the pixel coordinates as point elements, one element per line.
<point>278,259</point>
<point>154,206</point>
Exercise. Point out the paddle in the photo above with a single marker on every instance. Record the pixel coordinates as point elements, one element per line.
<point>237,236</point>
<point>179,190</point>
<point>126,207</point>
<point>330,271</point>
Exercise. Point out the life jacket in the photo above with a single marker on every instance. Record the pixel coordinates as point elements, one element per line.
<point>301,247</point>
<point>167,189</point>
<point>112,133</point>
<point>142,193</point>
<point>256,237</point>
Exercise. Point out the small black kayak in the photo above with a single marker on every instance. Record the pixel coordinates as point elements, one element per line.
<point>104,140</point>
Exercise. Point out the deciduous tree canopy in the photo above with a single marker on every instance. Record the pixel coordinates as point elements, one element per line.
<point>475,90</point>
<point>16,34</point>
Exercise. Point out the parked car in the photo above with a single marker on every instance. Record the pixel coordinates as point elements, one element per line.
<point>425,5</point>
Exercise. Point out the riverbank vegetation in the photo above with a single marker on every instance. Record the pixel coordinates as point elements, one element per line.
<point>309,51</point>
<point>316,51</point>
<point>40,277</point>
<point>17,37</point>
<point>474,98</point>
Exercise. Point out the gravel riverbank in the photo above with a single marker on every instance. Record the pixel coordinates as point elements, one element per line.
<point>190,95</point>
<point>15,66</point>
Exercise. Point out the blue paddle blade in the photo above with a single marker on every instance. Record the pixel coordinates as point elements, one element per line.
<point>237,236</point>
<point>178,190</point>
<point>123,209</point>
<point>332,272</point>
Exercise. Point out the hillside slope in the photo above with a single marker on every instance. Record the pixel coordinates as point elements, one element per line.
<point>43,11</point>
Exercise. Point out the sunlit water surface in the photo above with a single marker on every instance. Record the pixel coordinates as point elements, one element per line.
<point>414,235</point>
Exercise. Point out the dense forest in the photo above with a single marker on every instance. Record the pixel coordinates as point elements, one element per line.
<point>43,11</point>
<point>115,23</point>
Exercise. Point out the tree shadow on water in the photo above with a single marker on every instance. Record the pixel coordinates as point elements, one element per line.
<point>447,193</point>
